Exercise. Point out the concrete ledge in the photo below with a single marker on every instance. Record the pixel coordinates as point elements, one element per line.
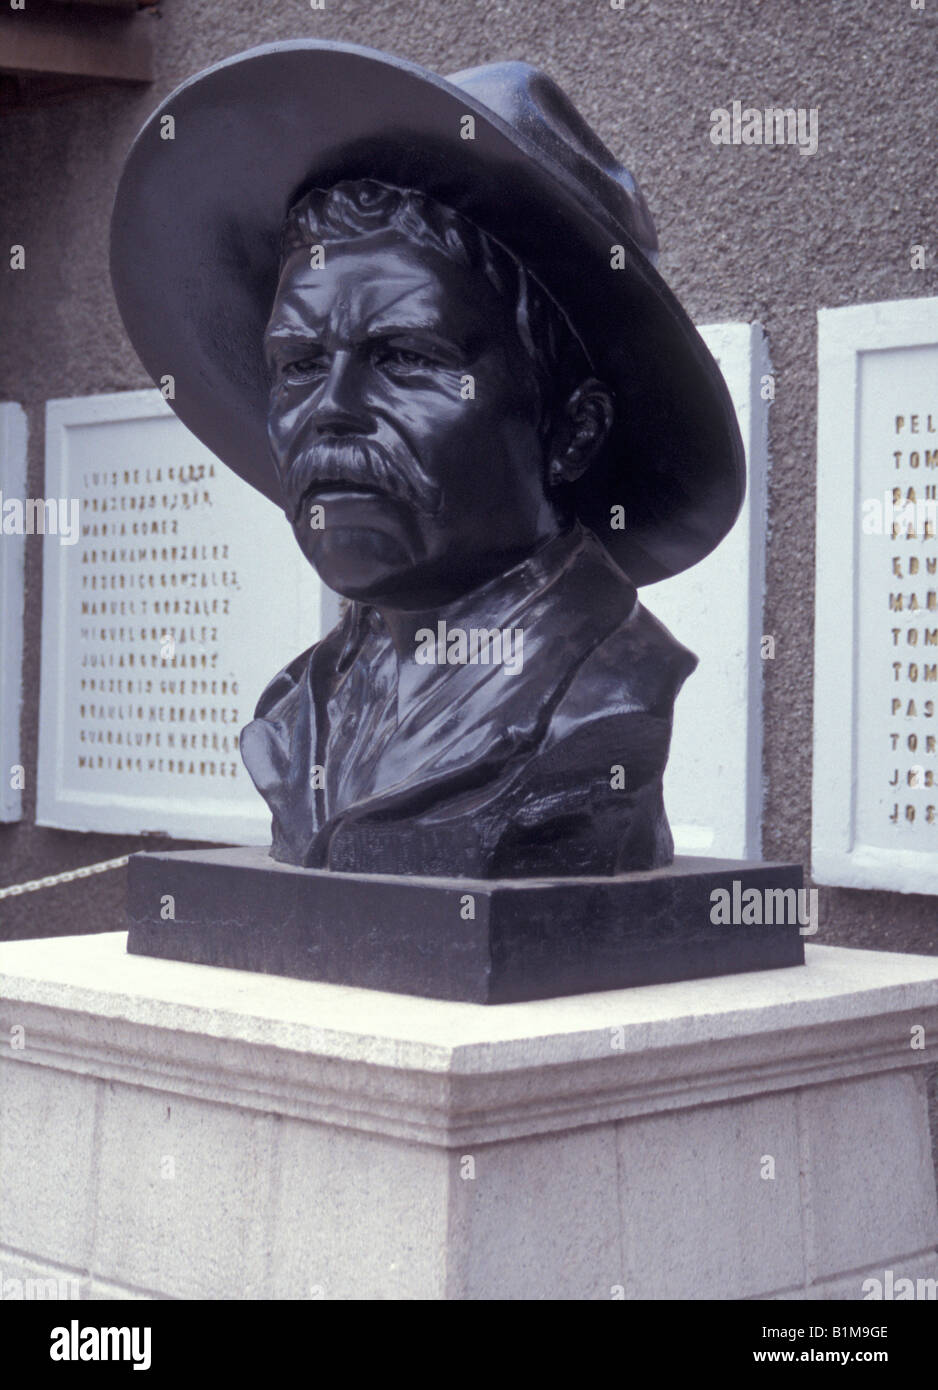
<point>453,1073</point>
<point>174,1130</point>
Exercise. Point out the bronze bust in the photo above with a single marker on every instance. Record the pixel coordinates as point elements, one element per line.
<point>423,314</point>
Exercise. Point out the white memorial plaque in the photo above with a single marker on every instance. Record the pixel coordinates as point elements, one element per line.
<point>181,596</point>
<point>713,781</point>
<point>875,815</point>
<point>12,560</point>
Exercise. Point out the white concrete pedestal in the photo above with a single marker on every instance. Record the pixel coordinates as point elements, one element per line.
<point>171,1130</point>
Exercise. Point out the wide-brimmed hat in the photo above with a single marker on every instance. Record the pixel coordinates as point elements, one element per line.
<point>195,239</point>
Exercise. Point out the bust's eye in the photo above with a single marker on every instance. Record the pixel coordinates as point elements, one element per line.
<point>313,364</point>
<point>399,359</point>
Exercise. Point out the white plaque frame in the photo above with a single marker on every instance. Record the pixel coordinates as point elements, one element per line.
<point>713,784</point>
<point>13,439</point>
<point>229,818</point>
<point>838,853</point>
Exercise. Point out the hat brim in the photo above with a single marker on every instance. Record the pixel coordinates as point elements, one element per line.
<point>194,260</point>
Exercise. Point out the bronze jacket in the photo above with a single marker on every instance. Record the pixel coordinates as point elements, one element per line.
<point>553,768</point>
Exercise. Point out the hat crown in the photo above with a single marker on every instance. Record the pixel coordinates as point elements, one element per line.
<point>531,102</point>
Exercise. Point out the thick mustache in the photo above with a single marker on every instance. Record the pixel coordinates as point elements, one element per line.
<point>362,463</point>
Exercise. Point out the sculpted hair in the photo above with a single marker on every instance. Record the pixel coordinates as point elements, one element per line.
<point>363,207</point>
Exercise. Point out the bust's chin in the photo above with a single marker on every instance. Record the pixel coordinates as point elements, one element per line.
<point>363,562</point>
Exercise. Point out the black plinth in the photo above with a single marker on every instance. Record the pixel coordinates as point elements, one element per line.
<point>483,942</point>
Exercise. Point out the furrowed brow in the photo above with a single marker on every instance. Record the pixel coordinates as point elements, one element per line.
<point>418,329</point>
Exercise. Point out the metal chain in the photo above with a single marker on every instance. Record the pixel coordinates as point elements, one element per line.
<point>34,884</point>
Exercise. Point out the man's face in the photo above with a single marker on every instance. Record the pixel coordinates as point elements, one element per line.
<point>404,422</point>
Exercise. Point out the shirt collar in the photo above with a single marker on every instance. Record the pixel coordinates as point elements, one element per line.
<point>494,602</point>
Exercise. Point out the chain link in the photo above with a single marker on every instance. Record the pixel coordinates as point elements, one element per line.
<point>34,884</point>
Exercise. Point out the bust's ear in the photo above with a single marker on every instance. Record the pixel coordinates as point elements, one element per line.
<point>579,432</point>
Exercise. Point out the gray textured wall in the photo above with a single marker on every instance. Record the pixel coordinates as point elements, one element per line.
<point>747,233</point>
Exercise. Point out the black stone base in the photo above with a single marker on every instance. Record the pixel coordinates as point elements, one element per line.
<point>485,942</point>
